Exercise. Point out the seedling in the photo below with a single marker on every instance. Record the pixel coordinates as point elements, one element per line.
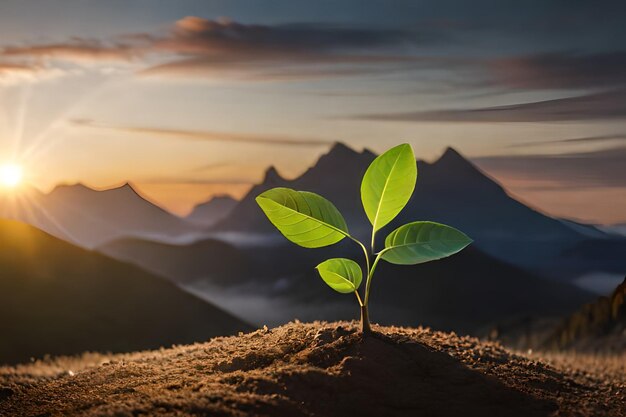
<point>309,220</point>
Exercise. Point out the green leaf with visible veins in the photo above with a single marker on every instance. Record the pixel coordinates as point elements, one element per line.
<point>419,242</point>
<point>388,184</point>
<point>341,274</point>
<point>305,218</point>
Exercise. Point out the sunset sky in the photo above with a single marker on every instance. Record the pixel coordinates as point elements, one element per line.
<point>190,98</point>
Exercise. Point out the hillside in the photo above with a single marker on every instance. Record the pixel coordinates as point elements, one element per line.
<point>275,284</point>
<point>597,326</point>
<point>56,298</point>
<point>320,369</point>
<point>210,260</point>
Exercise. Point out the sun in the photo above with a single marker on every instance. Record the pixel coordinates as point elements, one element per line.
<point>10,175</point>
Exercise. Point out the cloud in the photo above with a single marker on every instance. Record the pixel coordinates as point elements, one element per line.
<point>209,45</point>
<point>273,71</point>
<point>620,137</point>
<point>195,46</point>
<point>593,106</point>
<point>77,49</point>
<point>280,52</point>
<point>7,69</point>
<point>600,168</point>
<point>11,72</point>
<point>563,70</point>
<point>223,48</point>
<point>199,36</point>
<point>204,135</point>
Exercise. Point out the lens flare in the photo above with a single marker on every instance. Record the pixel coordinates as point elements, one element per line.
<point>10,175</point>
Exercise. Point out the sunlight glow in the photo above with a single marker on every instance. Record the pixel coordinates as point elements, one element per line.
<point>10,175</point>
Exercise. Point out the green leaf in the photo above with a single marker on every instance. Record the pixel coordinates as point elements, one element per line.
<point>388,184</point>
<point>341,274</point>
<point>305,218</point>
<point>420,242</point>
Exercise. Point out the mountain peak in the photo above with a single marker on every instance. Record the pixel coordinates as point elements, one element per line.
<point>272,175</point>
<point>126,187</point>
<point>339,155</point>
<point>217,199</point>
<point>452,166</point>
<point>369,153</point>
<point>340,148</point>
<point>452,158</point>
<point>450,153</point>
<point>78,187</point>
<point>221,197</point>
<point>212,210</point>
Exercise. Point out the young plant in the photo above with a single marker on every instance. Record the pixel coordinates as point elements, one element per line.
<point>309,220</point>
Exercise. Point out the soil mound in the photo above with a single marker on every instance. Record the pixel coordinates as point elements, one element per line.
<point>316,369</point>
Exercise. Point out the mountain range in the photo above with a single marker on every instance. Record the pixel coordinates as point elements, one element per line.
<point>450,190</point>
<point>56,298</point>
<point>500,277</point>
<point>269,280</point>
<point>88,217</point>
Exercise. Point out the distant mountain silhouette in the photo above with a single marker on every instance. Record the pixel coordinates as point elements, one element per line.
<point>588,230</point>
<point>608,254</point>
<point>597,326</point>
<point>336,175</point>
<point>617,229</point>
<point>440,294</point>
<point>88,217</point>
<point>56,298</point>
<point>451,190</point>
<point>212,211</point>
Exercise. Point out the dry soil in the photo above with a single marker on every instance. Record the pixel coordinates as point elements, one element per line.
<point>320,369</point>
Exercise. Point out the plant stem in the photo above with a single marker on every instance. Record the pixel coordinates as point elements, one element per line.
<point>367,256</point>
<point>369,277</point>
<point>358,297</point>
<point>366,328</point>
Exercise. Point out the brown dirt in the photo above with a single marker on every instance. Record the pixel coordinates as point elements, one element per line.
<point>319,369</point>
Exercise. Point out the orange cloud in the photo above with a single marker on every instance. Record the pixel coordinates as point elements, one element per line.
<point>195,46</point>
<point>14,72</point>
<point>76,50</point>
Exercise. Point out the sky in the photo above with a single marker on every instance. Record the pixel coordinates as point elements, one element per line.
<point>188,99</point>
